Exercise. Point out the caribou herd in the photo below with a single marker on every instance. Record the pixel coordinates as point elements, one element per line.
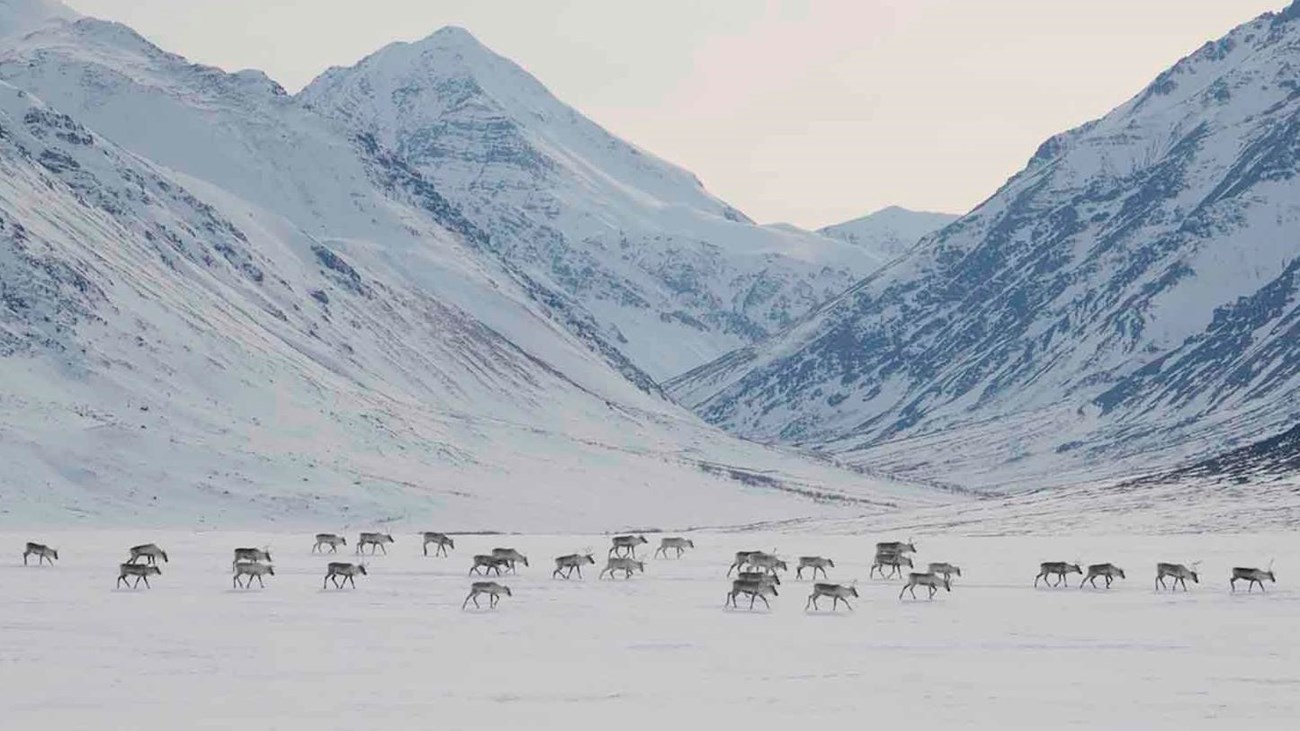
<point>758,573</point>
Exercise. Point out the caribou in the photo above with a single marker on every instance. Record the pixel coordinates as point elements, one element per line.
<point>767,562</point>
<point>773,579</point>
<point>149,552</point>
<point>1178,572</point>
<point>510,556</point>
<point>139,571</point>
<point>816,563</point>
<point>753,589</point>
<point>329,539</point>
<point>946,570</point>
<point>837,592</point>
<point>491,588</point>
<point>254,555</point>
<point>487,562</point>
<point>566,565</point>
<point>1060,569</point>
<point>625,564</point>
<point>374,540</point>
<point>348,571</point>
<point>41,551</point>
<point>896,546</point>
<point>928,580</point>
<point>442,541</point>
<point>678,544</point>
<point>1252,576</point>
<point>895,561</point>
<point>252,570</point>
<point>1109,571</point>
<point>742,560</point>
<point>626,545</point>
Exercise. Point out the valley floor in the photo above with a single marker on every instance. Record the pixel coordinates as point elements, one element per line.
<point>653,652</point>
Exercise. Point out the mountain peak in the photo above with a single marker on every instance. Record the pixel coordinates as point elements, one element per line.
<point>889,231</point>
<point>452,35</point>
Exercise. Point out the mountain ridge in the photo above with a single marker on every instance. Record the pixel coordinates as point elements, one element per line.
<point>226,310</point>
<point>1124,302</point>
<point>645,249</point>
<point>890,230</point>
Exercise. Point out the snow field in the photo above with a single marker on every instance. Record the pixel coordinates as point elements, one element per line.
<point>399,653</point>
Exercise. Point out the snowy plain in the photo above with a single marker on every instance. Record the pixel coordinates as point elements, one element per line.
<point>659,650</point>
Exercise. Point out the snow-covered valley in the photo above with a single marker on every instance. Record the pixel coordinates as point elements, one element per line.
<point>654,651</point>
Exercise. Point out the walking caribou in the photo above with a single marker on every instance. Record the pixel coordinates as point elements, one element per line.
<point>255,555</point>
<point>149,552</point>
<point>946,570</point>
<point>837,592</point>
<point>486,563</point>
<point>622,563</point>
<point>348,571</point>
<point>928,580</point>
<point>1060,569</point>
<point>896,546</point>
<point>374,540</point>
<point>139,571</point>
<point>1107,570</point>
<point>753,589</point>
<point>894,560</point>
<point>566,565</point>
<point>491,588</point>
<point>329,539</point>
<point>442,541</point>
<point>626,545</point>
<point>42,553</point>
<point>1252,576</point>
<point>1178,572</point>
<point>773,579</point>
<point>816,563</point>
<point>767,562</point>
<point>252,570</point>
<point>510,556</point>
<point>678,544</point>
<point>742,560</point>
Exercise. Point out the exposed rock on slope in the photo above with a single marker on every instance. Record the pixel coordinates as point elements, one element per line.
<point>1126,301</point>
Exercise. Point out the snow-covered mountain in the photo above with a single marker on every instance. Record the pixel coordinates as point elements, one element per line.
<point>673,276</point>
<point>218,306</point>
<point>18,17</point>
<point>889,231</point>
<point>1128,300</point>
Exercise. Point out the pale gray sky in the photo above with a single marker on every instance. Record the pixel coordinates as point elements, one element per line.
<point>810,112</point>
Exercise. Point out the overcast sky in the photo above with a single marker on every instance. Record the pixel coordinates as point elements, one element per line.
<point>810,112</point>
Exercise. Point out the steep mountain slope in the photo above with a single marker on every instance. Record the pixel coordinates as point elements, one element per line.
<point>890,231</point>
<point>169,360</point>
<point>242,134</point>
<point>1274,459</point>
<point>285,322</point>
<point>673,276</point>
<point>1128,300</point>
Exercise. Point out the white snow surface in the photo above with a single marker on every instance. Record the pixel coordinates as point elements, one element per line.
<point>23,16</point>
<point>652,652</point>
